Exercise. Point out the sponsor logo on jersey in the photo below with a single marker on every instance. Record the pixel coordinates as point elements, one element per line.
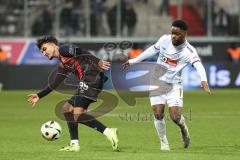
<point>63,59</point>
<point>168,60</point>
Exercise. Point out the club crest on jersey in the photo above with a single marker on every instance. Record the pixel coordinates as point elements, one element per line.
<point>168,60</point>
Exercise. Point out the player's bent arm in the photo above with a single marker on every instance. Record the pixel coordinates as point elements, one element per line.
<point>86,56</point>
<point>44,92</point>
<point>200,70</point>
<point>52,85</point>
<point>34,98</point>
<point>76,52</point>
<point>149,52</point>
<point>202,73</point>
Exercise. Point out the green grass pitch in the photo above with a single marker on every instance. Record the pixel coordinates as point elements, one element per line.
<point>213,121</point>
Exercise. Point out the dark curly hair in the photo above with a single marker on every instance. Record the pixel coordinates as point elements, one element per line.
<point>46,39</point>
<point>180,24</point>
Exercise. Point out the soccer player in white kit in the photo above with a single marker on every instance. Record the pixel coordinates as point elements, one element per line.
<point>175,53</point>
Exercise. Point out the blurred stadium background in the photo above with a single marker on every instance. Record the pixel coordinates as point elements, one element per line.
<point>214,29</point>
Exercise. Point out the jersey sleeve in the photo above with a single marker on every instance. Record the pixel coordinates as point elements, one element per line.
<point>152,50</point>
<point>85,56</point>
<point>55,79</point>
<point>200,70</point>
<point>191,56</point>
<point>157,45</point>
<point>146,54</point>
<point>44,92</point>
<point>193,59</point>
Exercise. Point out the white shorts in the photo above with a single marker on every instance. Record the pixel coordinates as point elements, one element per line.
<point>172,98</point>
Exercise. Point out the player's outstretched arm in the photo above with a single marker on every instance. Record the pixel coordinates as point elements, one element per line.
<point>33,99</point>
<point>149,52</point>
<point>59,77</point>
<point>205,86</point>
<point>202,73</point>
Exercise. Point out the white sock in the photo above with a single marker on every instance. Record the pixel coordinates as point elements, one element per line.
<point>160,126</point>
<point>106,131</point>
<point>182,121</point>
<point>74,141</point>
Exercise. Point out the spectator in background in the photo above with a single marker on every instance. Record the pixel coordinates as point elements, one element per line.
<point>164,7</point>
<point>239,24</point>
<point>129,18</point>
<point>47,16</point>
<point>38,27</point>
<point>78,23</point>
<point>67,20</point>
<point>221,22</point>
<point>44,24</point>
<point>4,56</point>
<point>96,16</point>
<point>112,20</point>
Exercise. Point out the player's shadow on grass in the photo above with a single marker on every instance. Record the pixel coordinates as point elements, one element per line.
<point>215,150</point>
<point>220,150</point>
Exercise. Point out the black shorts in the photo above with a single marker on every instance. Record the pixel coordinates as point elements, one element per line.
<point>80,101</point>
<point>88,92</point>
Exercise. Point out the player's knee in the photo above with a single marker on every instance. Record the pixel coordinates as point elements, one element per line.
<point>158,111</point>
<point>176,118</point>
<point>76,117</point>
<point>158,116</point>
<point>78,112</point>
<point>67,108</point>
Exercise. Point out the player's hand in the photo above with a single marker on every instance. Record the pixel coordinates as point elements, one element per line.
<point>205,86</point>
<point>105,65</point>
<point>125,65</point>
<point>33,99</point>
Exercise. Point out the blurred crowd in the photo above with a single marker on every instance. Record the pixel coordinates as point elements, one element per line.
<point>92,17</point>
<point>72,14</point>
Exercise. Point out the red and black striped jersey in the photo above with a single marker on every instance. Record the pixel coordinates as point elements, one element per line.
<point>75,61</point>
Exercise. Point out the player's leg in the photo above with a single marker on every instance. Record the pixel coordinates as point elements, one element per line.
<point>88,120</point>
<point>158,103</point>
<point>81,116</point>
<point>72,127</point>
<point>175,103</point>
<point>160,126</point>
<point>178,118</point>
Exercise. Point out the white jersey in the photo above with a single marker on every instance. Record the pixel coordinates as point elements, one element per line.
<point>174,58</point>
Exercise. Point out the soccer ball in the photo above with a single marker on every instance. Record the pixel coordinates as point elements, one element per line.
<point>51,130</point>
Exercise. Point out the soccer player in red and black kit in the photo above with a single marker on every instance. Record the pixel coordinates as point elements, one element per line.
<point>71,60</point>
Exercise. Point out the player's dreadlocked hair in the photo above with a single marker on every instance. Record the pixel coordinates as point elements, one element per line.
<point>180,24</point>
<point>46,39</point>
